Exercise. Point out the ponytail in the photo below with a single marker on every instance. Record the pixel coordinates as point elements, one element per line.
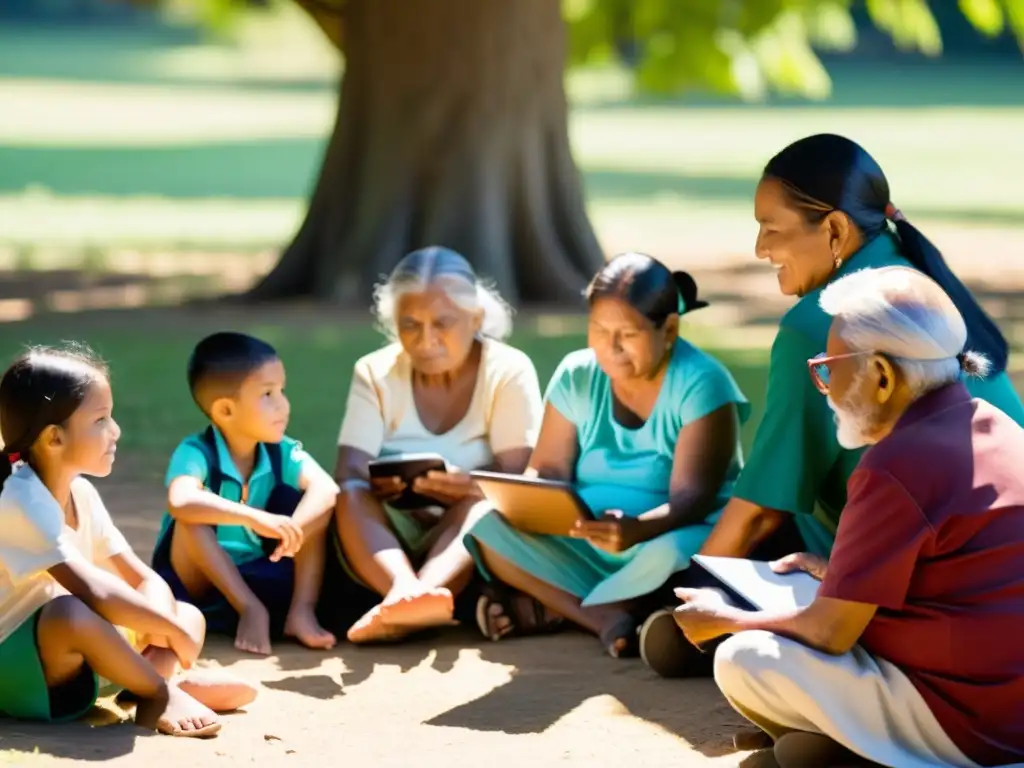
<point>983,336</point>
<point>687,287</point>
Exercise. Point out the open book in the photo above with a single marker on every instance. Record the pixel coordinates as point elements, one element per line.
<point>758,584</point>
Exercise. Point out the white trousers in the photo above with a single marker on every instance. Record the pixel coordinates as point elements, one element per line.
<point>866,704</point>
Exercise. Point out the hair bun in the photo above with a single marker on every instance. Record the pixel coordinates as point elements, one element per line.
<point>974,364</point>
<point>687,287</point>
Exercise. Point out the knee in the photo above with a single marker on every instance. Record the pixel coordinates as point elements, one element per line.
<point>69,615</point>
<point>189,534</point>
<point>355,504</point>
<point>192,619</point>
<point>745,656</point>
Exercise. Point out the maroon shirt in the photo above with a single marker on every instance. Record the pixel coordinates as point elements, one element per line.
<point>933,534</point>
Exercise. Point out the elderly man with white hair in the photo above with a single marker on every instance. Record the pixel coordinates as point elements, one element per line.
<point>912,653</point>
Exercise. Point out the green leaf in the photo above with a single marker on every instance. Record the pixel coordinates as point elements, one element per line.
<point>830,26</point>
<point>985,15</point>
<point>909,23</point>
<point>1015,15</point>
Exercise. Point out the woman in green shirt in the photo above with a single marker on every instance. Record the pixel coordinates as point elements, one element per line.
<point>824,211</point>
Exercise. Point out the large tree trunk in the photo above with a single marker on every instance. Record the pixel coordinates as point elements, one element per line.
<point>451,130</point>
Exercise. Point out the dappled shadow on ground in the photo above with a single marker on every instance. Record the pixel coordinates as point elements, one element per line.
<point>85,740</point>
<point>548,679</point>
<point>27,293</point>
<point>743,291</point>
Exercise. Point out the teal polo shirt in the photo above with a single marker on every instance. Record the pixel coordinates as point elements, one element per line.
<point>189,460</point>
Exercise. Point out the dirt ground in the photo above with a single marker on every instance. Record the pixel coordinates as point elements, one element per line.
<point>437,701</point>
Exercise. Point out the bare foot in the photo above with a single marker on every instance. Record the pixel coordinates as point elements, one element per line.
<point>177,715</point>
<point>371,628</point>
<point>216,689</point>
<point>253,634</point>
<point>303,626</point>
<point>414,606</point>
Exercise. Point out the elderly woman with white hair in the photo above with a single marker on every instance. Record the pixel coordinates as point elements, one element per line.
<point>446,384</point>
<point>911,653</point>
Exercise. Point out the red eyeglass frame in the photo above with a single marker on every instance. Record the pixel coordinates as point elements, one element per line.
<point>823,360</point>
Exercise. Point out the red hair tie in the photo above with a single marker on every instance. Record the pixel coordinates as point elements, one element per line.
<point>14,458</point>
<point>892,213</point>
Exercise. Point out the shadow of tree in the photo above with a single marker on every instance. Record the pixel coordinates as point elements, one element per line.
<point>548,684</point>
<point>551,677</point>
<point>84,740</point>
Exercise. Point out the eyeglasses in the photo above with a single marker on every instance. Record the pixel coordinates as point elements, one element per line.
<point>818,367</point>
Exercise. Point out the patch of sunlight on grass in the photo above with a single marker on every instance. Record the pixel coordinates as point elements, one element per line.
<point>952,167</point>
<point>42,219</point>
<point>63,113</point>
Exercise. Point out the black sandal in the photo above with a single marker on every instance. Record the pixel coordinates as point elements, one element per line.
<point>623,629</point>
<point>527,615</point>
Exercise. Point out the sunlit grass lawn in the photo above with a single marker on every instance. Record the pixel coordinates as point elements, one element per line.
<point>147,356</point>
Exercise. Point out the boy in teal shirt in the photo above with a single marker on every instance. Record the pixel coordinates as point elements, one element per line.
<point>248,508</point>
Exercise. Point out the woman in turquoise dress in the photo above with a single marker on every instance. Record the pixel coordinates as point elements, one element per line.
<point>647,427</point>
<point>824,210</point>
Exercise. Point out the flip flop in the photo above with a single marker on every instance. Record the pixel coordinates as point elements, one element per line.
<point>623,629</point>
<point>527,615</point>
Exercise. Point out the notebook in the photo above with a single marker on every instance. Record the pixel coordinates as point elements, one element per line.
<point>757,583</point>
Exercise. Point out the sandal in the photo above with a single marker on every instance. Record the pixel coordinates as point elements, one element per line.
<point>623,629</point>
<point>527,615</point>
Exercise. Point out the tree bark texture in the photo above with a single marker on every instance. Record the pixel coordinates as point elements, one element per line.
<point>451,130</point>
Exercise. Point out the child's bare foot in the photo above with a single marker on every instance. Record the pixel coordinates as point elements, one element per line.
<point>253,634</point>
<point>177,715</point>
<point>303,626</point>
<point>371,628</point>
<point>216,689</point>
<point>415,606</point>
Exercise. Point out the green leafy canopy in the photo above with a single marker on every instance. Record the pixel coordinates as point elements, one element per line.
<point>751,47</point>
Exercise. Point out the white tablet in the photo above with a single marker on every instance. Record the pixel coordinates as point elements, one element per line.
<point>757,583</point>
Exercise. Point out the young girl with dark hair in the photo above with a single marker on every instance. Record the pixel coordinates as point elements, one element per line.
<point>76,604</point>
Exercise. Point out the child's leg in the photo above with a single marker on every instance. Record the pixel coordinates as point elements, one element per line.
<point>302,623</point>
<point>308,572</point>
<point>201,563</point>
<point>218,691</point>
<point>71,637</point>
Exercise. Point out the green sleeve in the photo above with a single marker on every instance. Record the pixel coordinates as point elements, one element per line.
<point>795,446</point>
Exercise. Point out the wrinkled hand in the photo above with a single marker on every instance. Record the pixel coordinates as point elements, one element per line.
<point>704,615</point>
<point>613,531</point>
<point>802,561</point>
<point>386,488</point>
<point>447,487</point>
<point>281,527</point>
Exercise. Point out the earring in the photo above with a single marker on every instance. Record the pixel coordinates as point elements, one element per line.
<point>837,261</point>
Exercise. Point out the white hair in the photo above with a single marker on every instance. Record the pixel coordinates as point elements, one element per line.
<point>444,269</point>
<point>904,314</point>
